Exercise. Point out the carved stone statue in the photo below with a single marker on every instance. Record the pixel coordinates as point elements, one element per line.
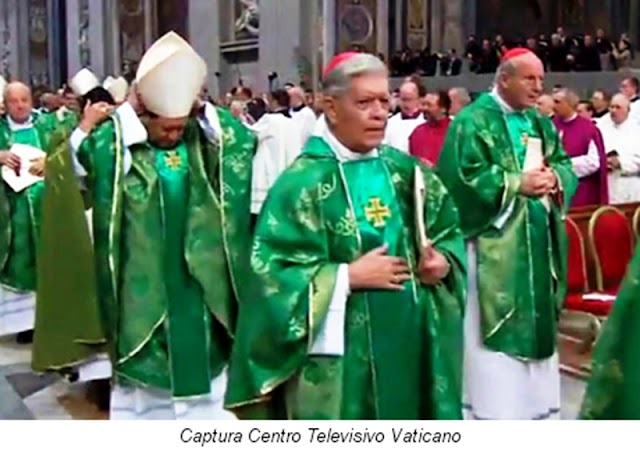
<point>247,24</point>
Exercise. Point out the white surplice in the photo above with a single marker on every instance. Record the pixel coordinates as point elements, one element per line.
<point>624,184</point>
<point>17,308</point>
<point>306,119</point>
<point>496,385</point>
<point>399,130</point>
<point>144,403</point>
<point>586,164</point>
<point>279,144</point>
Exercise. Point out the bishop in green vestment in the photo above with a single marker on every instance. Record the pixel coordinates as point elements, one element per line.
<point>353,316</point>
<point>612,391</point>
<point>59,346</point>
<point>20,211</point>
<point>171,195</point>
<point>504,165</point>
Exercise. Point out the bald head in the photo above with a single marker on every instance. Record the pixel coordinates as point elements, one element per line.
<point>409,97</point>
<point>18,101</point>
<point>619,108</point>
<point>296,96</point>
<point>520,80</point>
<point>544,105</point>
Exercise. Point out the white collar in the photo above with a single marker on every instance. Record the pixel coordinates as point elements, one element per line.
<point>340,150</point>
<point>503,103</point>
<point>15,126</point>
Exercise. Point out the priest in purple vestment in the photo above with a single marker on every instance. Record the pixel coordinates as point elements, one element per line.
<point>582,142</point>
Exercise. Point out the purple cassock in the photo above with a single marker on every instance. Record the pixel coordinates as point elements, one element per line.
<point>577,134</point>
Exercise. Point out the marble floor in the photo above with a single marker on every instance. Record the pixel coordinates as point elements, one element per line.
<point>24,395</point>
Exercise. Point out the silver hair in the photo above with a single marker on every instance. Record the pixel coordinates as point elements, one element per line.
<point>12,85</point>
<point>462,93</point>
<point>572,98</point>
<point>338,81</point>
<point>506,68</point>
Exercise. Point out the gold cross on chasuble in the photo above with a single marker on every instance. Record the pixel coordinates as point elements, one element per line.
<point>376,213</point>
<point>173,160</point>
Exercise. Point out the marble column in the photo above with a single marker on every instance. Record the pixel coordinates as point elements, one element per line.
<point>329,29</point>
<point>74,38</point>
<point>204,32</point>
<point>436,14</point>
<point>280,42</point>
<point>10,56</point>
<point>634,17</point>
<point>453,32</point>
<point>382,24</point>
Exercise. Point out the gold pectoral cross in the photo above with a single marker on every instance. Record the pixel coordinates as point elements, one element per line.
<point>173,160</point>
<point>377,213</point>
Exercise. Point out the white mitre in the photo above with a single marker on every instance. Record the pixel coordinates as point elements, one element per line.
<point>83,82</point>
<point>170,76</point>
<point>117,87</point>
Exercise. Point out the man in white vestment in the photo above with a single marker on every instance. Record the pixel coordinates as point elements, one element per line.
<point>401,125</point>
<point>302,114</point>
<point>630,87</point>
<point>278,147</point>
<point>621,135</point>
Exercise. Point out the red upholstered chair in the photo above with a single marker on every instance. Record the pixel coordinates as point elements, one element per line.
<point>577,283</point>
<point>611,240</point>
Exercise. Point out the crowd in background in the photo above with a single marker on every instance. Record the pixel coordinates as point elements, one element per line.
<point>560,52</point>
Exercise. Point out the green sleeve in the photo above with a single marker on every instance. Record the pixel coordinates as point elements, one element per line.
<point>612,391</point>
<point>68,323</point>
<point>294,282</point>
<point>446,302</point>
<point>482,189</point>
<point>443,228</point>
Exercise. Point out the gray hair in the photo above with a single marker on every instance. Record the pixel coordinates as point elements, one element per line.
<point>338,81</point>
<point>462,93</point>
<point>571,97</point>
<point>15,85</point>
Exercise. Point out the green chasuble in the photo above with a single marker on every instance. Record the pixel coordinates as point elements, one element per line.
<point>68,327</point>
<point>171,239</point>
<point>521,247</point>
<point>403,350</point>
<point>20,212</point>
<point>612,391</point>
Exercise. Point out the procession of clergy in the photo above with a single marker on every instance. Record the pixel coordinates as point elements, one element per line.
<point>208,270</point>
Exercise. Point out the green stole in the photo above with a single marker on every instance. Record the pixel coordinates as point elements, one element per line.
<point>20,271</point>
<point>396,359</point>
<point>183,342</point>
<point>542,313</point>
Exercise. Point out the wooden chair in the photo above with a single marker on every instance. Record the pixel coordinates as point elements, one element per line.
<point>577,281</point>
<point>635,223</point>
<point>611,241</point>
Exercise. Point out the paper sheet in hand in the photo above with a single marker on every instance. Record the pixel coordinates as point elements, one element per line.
<point>26,154</point>
<point>533,160</point>
<point>419,200</point>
